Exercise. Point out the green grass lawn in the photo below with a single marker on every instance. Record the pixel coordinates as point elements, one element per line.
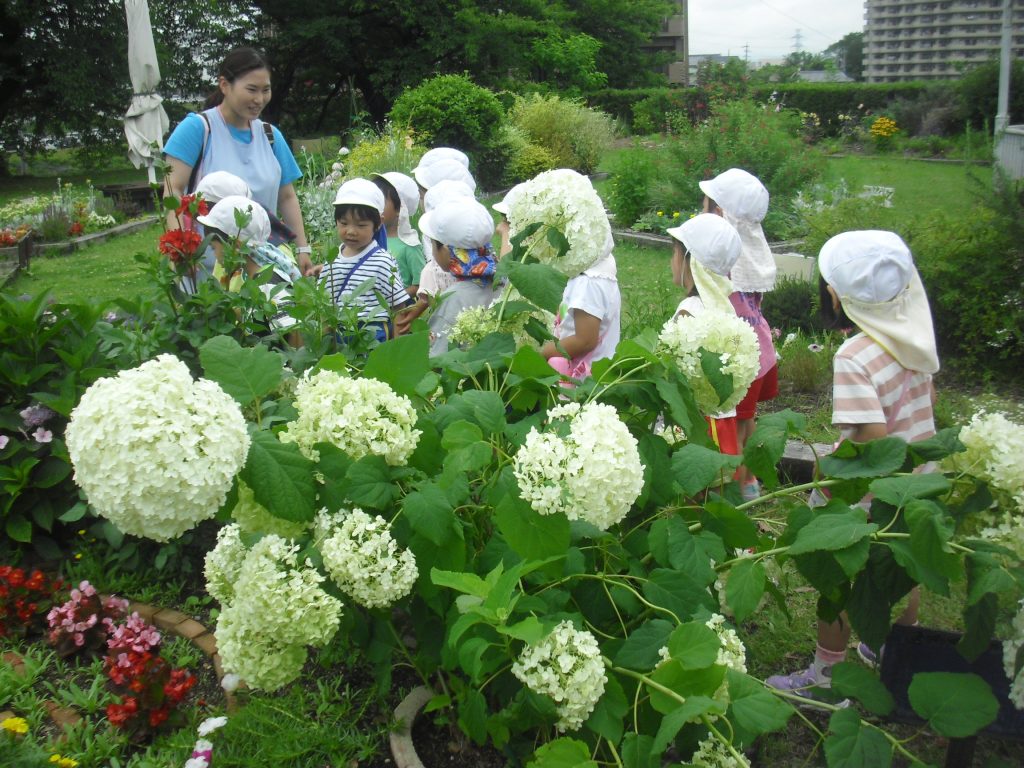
<point>16,187</point>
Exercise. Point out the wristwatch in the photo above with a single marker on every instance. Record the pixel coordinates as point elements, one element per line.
<point>304,249</point>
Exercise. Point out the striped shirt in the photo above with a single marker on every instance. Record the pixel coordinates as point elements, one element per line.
<point>377,275</point>
<point>870,387</point>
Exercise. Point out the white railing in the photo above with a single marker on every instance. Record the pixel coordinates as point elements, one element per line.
<point>1010,151</point>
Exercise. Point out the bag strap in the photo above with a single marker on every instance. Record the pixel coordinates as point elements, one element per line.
<point>193,177</point>
<point>268,131</point>
<point>344,284</point>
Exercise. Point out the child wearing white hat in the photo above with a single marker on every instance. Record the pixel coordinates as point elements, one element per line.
<point>401,200</point>
<point>881,383</point>
<point>705,248</point>
<point>363,270</point>
<point>222,227</point>
<point>459,232</point>
<point>742,200</point>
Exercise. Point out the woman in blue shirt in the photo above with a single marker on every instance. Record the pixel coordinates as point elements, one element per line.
<point>237,141</point>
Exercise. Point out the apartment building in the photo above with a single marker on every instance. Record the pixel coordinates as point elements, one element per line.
<point>934,40</point>
<point>674,39</point>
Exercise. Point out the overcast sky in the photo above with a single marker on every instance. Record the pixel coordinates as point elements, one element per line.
<point>770,27</point>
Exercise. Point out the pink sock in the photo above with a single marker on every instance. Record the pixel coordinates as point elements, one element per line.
<point>824,659</point>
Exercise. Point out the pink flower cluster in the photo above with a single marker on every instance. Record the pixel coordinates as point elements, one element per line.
<point>85,621</point>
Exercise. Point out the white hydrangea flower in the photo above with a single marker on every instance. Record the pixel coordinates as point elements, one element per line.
<point>733,653</point>
<point>277,609</point>
<point>365,561</point>
<point>253,517</point>
<point>223,563</point>
<point>155,451</point>
<point>359,416</point>
<point>593,473</point>
<point>994,449</point>
<point>565,200</point>
<point>1011,647</point>
<point>711,753</point>
<point>565,666</point>
<point>728,336</point>
<point>474,323</point>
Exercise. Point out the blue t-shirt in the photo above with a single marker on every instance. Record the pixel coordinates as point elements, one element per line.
<point>186,142</point>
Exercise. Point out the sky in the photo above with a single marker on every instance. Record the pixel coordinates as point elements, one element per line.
<point>770,27</point>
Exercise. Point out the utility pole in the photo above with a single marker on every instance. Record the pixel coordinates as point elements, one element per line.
<point>798,42</point>
<point>746,53</point>
<point>1003,112</point>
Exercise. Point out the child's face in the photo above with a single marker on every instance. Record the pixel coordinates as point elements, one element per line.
<point>354,232</point>
<point>441,255</point>
<point>390,214</point>
<point>678,262</point>
<point>710,206</point>
<point>502,230</point>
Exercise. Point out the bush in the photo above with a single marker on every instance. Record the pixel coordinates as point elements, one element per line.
<point>572,133</point>
<point>451,110</point>
<point>526,159</point>
<point>629,190</point>
<point>792,306</point>
<point>978,92</point>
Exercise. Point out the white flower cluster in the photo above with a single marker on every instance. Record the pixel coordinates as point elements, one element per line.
<point>359,416</point>
<point>728,336</point>
<point>365,561</point>
<point>995,446</point>
<point>733,653</point>
<point>711,753</point>
<point>274,607</point>
<point>155,451</point>
<point>474,323</point>
<point>1011,647</point>
<point>593,473</point>
<point>565,666</point>
<point>566,201</point>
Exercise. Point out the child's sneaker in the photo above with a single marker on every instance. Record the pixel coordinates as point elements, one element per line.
<point>868,656</point>
<point>807,683</point>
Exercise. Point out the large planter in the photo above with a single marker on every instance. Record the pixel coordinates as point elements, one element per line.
<point>402,749</point>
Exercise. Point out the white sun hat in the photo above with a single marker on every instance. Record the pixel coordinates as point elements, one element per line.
<point>360,192</point>
<point>460,222</point>
<point>215,186</point>
<point>739,193</point>
<point>428,176</point>
<point>445,190</point>
<point>409,194</point>
<point>431,156</point>
<point>502,205</point>
<point>222,217</point>
<point>711,240</point>
<point>872,266</point>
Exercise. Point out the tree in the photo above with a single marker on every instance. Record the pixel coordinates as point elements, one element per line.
<point>848,54</point>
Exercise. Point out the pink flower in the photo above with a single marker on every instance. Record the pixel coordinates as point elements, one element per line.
<point>42,435</point>
<point>4,440</point>
<point>815,347</point>
<point>776,332</point>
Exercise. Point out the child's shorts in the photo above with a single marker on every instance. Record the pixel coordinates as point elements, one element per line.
<point>762,389</point>
<point>723,432</point>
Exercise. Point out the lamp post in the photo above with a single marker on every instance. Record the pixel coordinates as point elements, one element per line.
<point>1003,111</point>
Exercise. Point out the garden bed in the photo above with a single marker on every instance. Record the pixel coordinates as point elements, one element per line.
<point>73,244</point>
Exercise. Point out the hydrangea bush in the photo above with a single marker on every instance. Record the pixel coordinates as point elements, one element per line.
<point>576,583</point>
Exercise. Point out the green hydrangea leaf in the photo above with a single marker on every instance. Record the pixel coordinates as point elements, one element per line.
<point>956,705</point>
<point>852,745</point>
<point>247,374</point>
<point>281,478</point>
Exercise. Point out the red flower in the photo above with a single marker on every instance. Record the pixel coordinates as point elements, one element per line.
<point>190,205</point>
<point>179,244</point>
<point>76,228</point>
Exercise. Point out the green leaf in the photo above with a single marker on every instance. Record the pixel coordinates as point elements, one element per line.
<point>956,705</point>
<point>529,630</point>
<point>430,513</point>
<point>76,513</point>
<point>863,685</point>
<point>980,623</point>
<point>638,752</point>
<point>640,651</point>
<point>608,718</point>
<point>533,536</point>
<point>459,434</point>
<point>694,645</point>
<point>18,528</point>
<point>50,472</point>
<point>678,593</point>
<point>898,491</point>
<point>943,443</point>
<point>875,459</point>
<point>562,753</point>
<point>248,374</point>
<point>473,714</point>
<point>482,408</point>
<point>829,532</point>
<point>736,530</point>
<point>540,283</point>
<point>696,468</point>
<point>281,478</point>
<point>691,711</point>
<point>851,745</point>
<point>753,708</point>
<point>469,583</point>
<point>401,363</point>
<point>744,588</point>
<point>686,553</point>
<point>683,684</point>
<point>368,483</point>
<point>927,557</point>
<point>711,365</point>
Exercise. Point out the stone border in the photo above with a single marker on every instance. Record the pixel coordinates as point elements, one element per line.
<point>165,619</point>
<point>402,749</point>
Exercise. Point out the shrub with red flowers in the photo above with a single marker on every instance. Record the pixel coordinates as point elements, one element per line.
<point>24,601</point>
<point>84,622</point>
<point>182,246</point>
<point>150,689</point>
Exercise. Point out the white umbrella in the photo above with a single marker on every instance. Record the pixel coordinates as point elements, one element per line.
<point>145,122</point>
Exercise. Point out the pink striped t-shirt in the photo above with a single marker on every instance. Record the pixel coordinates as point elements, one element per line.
<point>870,387</point>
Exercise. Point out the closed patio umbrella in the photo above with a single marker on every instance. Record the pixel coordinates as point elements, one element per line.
<point>145,122</point>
